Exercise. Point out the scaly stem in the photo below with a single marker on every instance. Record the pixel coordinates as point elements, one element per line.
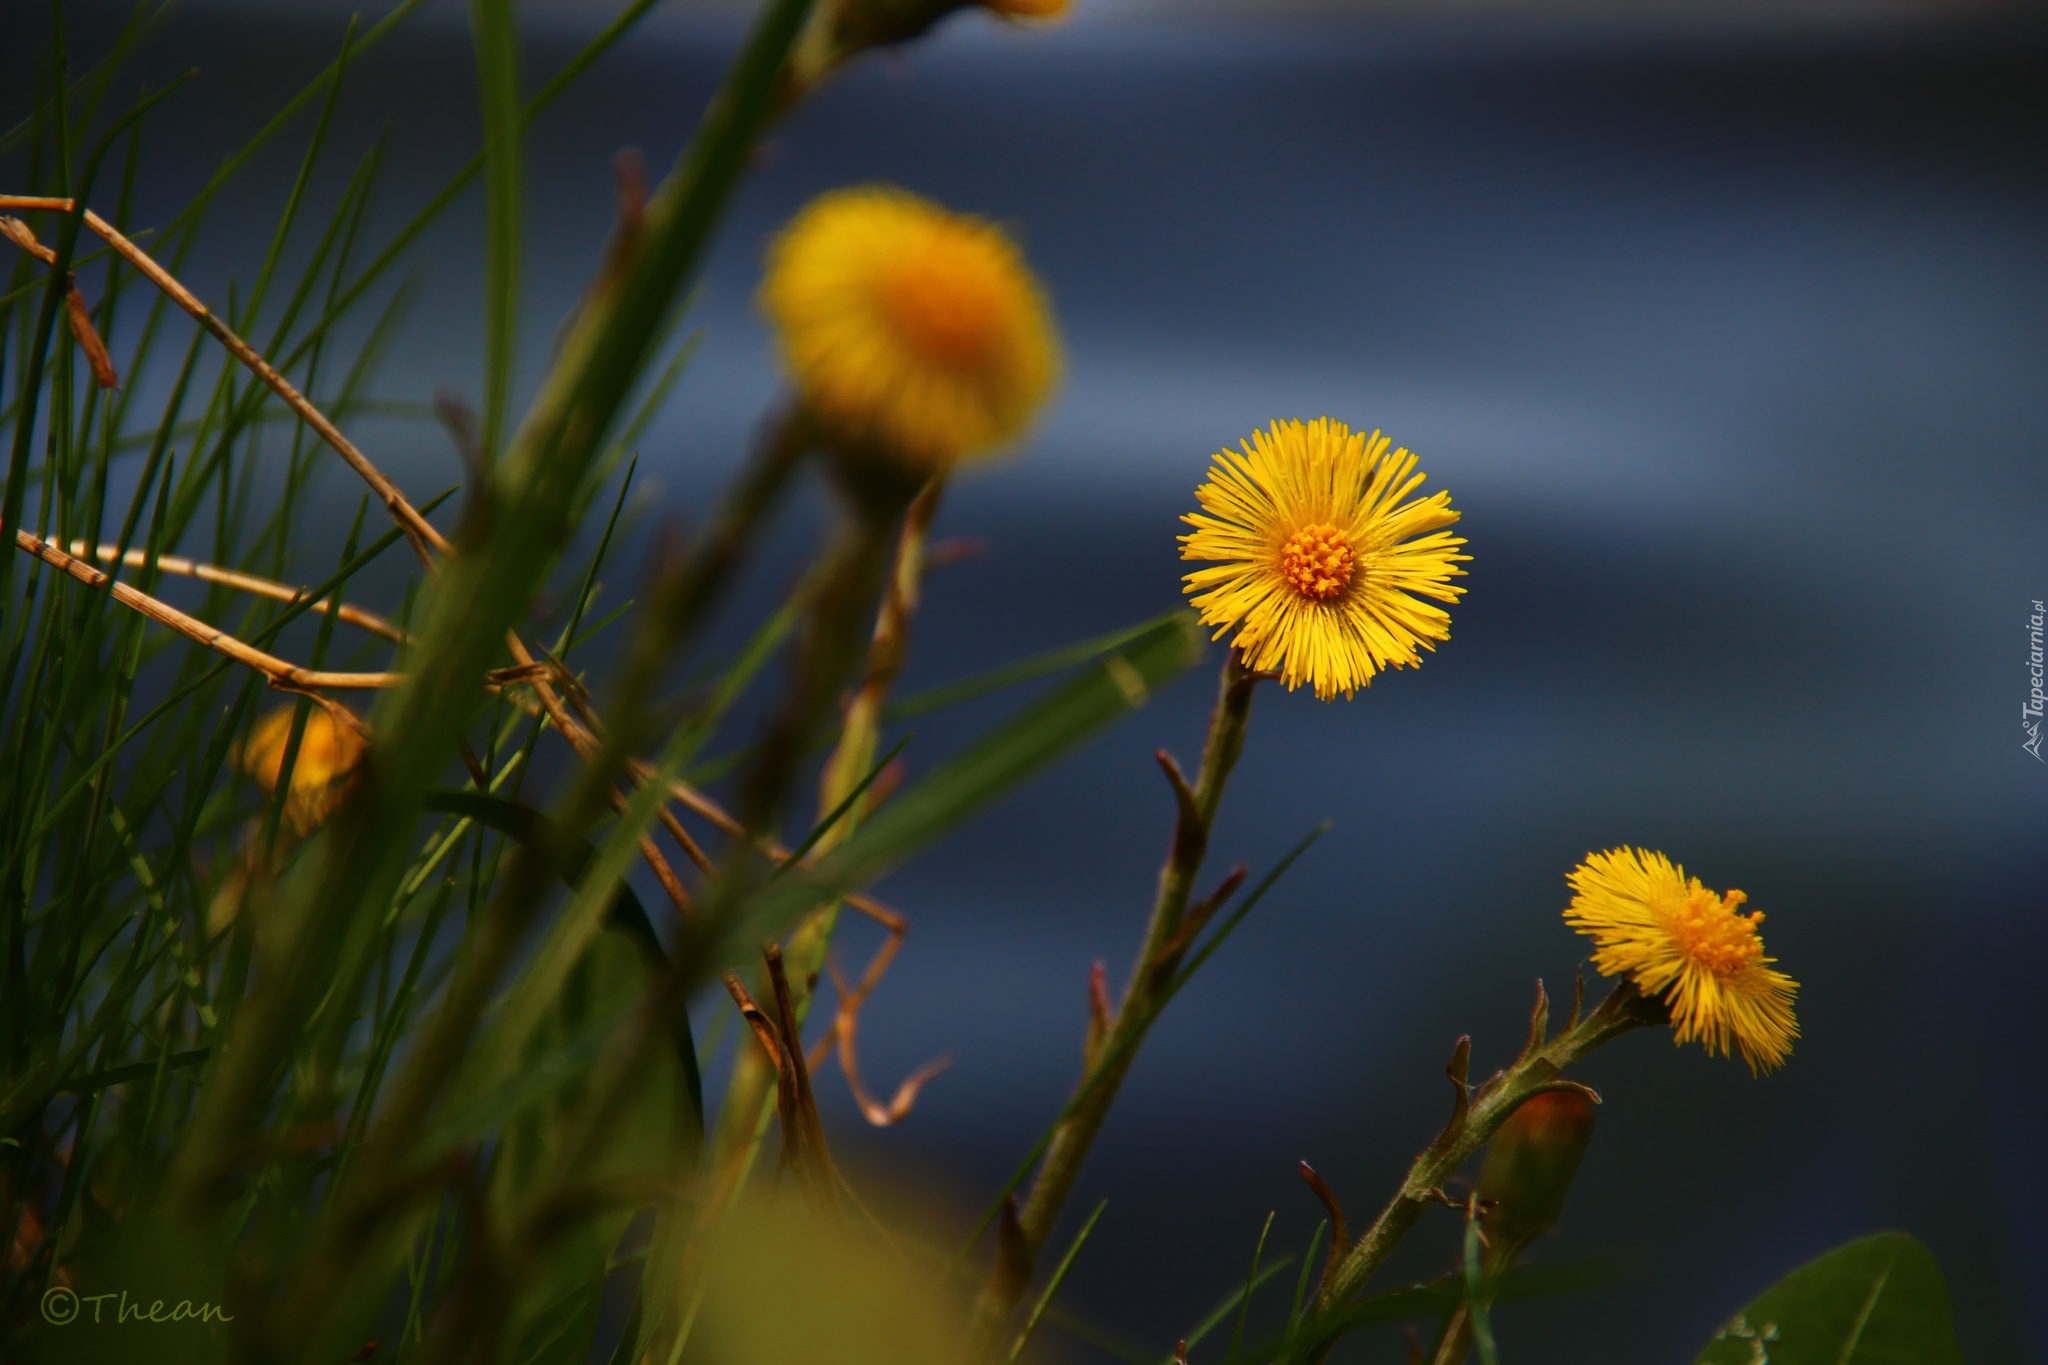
<point>1475,1116</point>
<point>1117,1046</point>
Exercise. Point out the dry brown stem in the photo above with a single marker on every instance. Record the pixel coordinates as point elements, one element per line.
<point>846,1025</point>
<point>245,582</point>
<point>80,317</point>
<point>285,676</point>
<point>416,527</point>
<point>803,1132</point>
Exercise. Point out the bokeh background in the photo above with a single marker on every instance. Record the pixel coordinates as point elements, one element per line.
<point>1727,326</point>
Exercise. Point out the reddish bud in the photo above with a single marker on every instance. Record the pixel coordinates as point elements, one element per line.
<point>1529,1167</point>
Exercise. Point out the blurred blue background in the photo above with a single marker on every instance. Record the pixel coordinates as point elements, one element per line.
<point>1726,327</point>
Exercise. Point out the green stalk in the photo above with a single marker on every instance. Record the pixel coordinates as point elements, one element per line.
<point>749,1096</point>
<point>1117,1048</point>
<point>1475,1116</point>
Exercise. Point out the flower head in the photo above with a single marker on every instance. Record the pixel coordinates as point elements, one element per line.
<point>329,752</point>
<point>1321,560</point>
<point>1694,949</point>
<point>908,327</point>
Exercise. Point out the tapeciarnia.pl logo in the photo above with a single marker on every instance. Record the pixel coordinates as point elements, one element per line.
<point>2030,714</point>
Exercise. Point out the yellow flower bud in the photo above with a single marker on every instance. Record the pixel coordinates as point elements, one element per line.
<point>329,752</point>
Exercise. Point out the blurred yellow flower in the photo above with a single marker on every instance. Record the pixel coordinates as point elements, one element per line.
<point>329,751</point>
<point>1679,941</point>
<point>908,327</point>
<point>1321,560</point>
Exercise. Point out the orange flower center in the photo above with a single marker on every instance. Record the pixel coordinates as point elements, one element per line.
<point>945,305</point>
<point>1711,933</point>
<point>1318,562</point>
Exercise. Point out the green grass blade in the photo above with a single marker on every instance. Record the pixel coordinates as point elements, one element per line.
<point>297,194</point>
<point>1477,1295</point>
<point>1052,1286</point>
<point>1251,1282</point>
<point>189,217</point>
<point>1237,916</point>
<point>846,804</point>
<point>1308,1262</point>
<point>497,61</point>
<point>1216,1316</point>
<point>396,248</point>
<point>122,48</point>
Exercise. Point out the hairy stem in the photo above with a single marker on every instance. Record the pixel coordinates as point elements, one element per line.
<point>1476,1115</point>
<point>1110,1057</point>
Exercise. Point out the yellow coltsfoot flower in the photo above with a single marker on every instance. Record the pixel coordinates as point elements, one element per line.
<point>1321,559</point>
<point>907,328</point>
<point>1691,948</point>
<point>329,753</point>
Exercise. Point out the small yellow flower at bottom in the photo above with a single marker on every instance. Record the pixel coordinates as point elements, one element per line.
<point>909,328</point>
<point>1693,949</point>
<point>329,752</point>
<point>1322,563</point>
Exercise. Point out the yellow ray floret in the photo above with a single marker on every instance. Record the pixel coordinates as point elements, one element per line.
<point>329,752</point>
<point>909,328</point>
<point>1323,556</point>
<point>1688,946</point>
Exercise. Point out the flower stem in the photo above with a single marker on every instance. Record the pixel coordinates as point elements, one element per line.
<point>1476,1115</point>
<point>1110,1055</point>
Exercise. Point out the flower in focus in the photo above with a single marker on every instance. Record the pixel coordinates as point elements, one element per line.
<point>907,327</point>
<point>1695,950</point>
<point>329,752</point>
<point>1321,560</point>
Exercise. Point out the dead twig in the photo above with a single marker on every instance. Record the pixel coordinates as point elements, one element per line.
<point>244,582</point>
<point>284,676</point>
<point>803,1134</point>
<point>710,810</point>
<point>417,528</point>
<point>75,310</point>
<point>845,1027</point>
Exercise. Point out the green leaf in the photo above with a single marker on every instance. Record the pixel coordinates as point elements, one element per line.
<point>1028,742</point>
<point>1000,761</point>
<point>1877,1301</point>
<point>1022,671</point>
